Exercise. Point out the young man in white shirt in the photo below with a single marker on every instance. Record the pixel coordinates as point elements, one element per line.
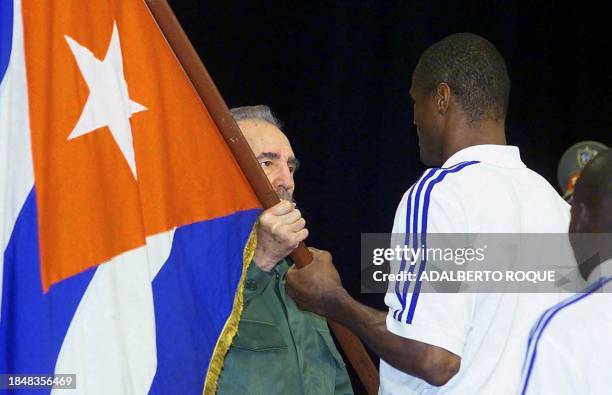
<point>459,343</point>
<point>569,348</point>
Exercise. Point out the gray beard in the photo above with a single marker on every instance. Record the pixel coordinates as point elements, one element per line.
<point>284,194</point>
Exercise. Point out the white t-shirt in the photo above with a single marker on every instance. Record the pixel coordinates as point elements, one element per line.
<point>570,346</point>
<point>480,189</point>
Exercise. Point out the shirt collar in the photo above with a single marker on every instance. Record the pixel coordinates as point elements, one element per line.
<point>507,156</point>
<point>604,269</point>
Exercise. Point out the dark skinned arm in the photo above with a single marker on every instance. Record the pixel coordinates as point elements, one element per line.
<point>317,288</point>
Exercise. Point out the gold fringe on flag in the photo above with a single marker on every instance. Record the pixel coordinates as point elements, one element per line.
<point>231,325</point>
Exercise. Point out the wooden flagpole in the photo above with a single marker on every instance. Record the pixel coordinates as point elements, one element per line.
<point>206,89</point>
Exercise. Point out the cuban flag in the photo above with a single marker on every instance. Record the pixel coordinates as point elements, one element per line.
<point>125,223</point>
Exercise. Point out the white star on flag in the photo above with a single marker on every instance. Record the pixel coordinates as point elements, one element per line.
<point>108,103</point>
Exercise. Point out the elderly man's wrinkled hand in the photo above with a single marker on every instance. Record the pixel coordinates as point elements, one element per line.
<point>281,228</point>
<point>314,285</point>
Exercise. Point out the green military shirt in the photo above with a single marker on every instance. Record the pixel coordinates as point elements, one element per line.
<point>280,349</point>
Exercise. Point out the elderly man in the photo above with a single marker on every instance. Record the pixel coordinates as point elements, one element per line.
<point>569,349</point>
<point>460,343</point>
<point>279,349</point>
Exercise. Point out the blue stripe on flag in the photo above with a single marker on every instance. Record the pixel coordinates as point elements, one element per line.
<point>417,286</point>
<point>33,325</point>
<point>6,34</point>
<point>193,296</point>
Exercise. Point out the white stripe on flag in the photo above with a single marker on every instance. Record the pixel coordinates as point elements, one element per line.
<point>16,172</point>
<point>110,344</point>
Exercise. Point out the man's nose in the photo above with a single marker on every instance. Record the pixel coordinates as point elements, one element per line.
<point>283,178</point>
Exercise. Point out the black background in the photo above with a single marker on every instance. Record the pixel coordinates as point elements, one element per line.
<point>338,74</point>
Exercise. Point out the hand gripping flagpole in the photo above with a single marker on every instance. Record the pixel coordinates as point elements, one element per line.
<point>206,89</point>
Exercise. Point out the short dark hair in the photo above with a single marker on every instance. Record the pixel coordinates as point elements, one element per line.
<point>594,186</point>
<point>473,69</point>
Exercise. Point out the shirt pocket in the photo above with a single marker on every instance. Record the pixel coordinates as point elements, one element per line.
<point>320,325</point>
<point>256,335</point>
<point>331,346</point>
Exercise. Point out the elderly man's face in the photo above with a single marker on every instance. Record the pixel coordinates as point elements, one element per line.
<point>274,153</point>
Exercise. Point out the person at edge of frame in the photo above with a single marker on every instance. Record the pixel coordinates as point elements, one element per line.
<point>569,348</point>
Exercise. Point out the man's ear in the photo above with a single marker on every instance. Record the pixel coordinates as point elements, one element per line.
<point>580,218</point>
<point>443,93</point>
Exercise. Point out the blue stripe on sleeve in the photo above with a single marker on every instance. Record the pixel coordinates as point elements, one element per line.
<point>417,286</point>
<point>543,323</point>
<point>411,230</point>
<point>406,241</point>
